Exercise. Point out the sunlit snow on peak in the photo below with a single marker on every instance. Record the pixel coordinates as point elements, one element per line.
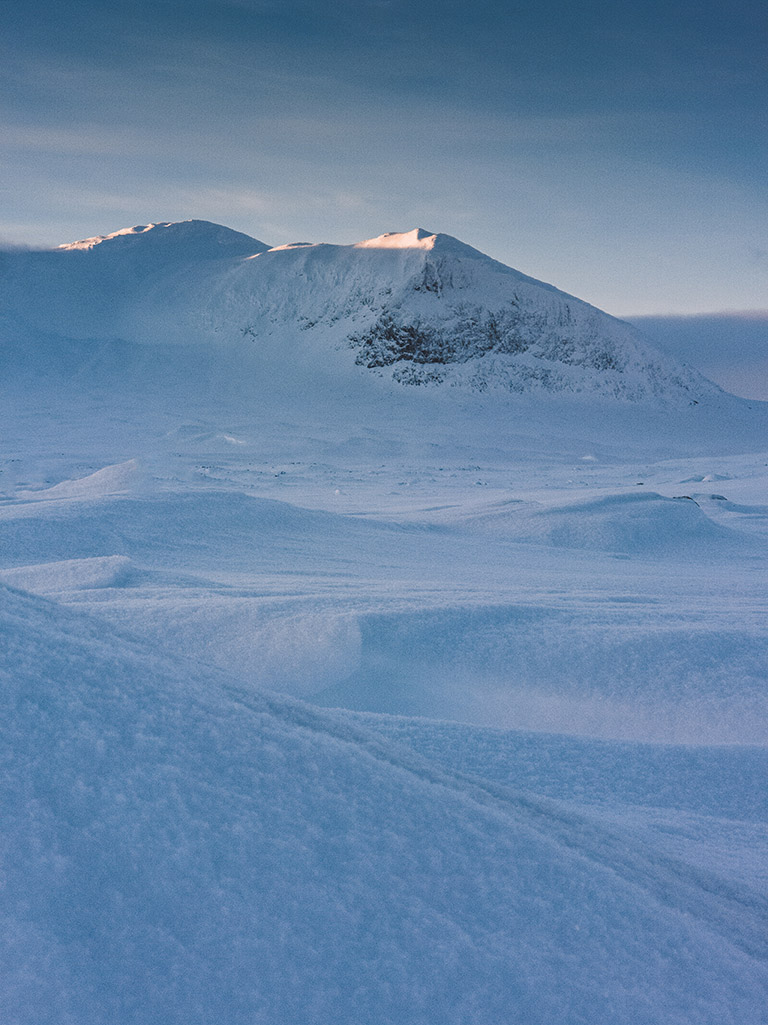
<point>417,238</point>
<point>423,240</point>
<point>137,229</point>
<point>292,245</point>
<point>191,237</point>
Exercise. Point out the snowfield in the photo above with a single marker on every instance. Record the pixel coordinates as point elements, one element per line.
<point>383,639</point>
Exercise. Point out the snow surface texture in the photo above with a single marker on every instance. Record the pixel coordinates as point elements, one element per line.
<point>536,792</point>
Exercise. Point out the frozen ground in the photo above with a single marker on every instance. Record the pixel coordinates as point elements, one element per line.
<point>329,699</point>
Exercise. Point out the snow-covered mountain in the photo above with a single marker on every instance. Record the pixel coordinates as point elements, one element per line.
<point>417,307</point>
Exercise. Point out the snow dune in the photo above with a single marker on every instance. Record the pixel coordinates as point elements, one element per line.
<point>70,574</point>
<point>110,480</point>
<point>639,523</point>
<point>590,617</point>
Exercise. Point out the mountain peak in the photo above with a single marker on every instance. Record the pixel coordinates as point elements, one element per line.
<point>417,238</point>
<point>420,238</point>
<point>95,240</point>
<point>197,238</point>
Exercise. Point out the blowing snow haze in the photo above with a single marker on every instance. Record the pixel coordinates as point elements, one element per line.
<point>382,640</point>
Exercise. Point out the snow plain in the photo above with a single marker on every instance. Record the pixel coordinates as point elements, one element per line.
<point>334,699</point>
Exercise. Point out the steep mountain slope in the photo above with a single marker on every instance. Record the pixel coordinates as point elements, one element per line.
<point>417,307</point>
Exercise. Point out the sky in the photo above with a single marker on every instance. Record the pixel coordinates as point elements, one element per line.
<point>617,150</point>
<point>729,349</point>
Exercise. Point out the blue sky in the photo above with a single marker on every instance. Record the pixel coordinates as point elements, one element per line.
<point>617,150</point>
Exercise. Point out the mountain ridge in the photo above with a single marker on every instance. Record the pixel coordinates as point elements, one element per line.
<point>416,307</point>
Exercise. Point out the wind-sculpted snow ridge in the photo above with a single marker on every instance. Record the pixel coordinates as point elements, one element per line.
<point>415,308</point>
<point>178,850</point>
<point>636,523</point>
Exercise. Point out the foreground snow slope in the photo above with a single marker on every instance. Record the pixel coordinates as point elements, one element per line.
<point>179,850</point>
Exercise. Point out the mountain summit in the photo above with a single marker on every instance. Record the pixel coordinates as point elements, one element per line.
<point>417,238</point>
<point>420,238</point>
<point>418,307</point>
<point>198,239</point>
